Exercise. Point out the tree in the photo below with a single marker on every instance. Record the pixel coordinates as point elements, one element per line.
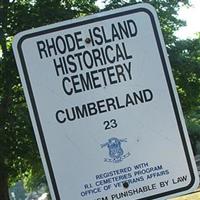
<point>193,125</point>
<point>18,146</point>
<point>185,59</point>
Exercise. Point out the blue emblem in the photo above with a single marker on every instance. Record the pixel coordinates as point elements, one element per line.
<point>116,152</point>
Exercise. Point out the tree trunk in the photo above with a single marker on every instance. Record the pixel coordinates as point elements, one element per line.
<point>3,183</point>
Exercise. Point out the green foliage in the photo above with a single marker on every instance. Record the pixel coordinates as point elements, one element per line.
<point>33,177</point>
<point>185,58</point>
<point>193,125</point>
<point>17,141</point>
<point>28,14</point>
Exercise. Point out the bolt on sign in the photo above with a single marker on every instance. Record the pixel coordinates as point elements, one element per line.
<point>104,107</point>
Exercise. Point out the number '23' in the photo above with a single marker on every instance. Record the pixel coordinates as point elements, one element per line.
<point>110,124</point>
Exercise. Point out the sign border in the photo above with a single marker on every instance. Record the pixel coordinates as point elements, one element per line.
<point>167,77</point>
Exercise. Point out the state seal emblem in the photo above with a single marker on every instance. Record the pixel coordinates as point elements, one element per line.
<point>116,153</point>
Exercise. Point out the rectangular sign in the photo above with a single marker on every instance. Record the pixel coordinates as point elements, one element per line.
<point>105,109</point>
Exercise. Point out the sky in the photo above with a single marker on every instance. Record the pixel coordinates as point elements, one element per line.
<point>192,17</point>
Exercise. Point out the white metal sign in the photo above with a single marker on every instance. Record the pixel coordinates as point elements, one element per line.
<point>104,107</point>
